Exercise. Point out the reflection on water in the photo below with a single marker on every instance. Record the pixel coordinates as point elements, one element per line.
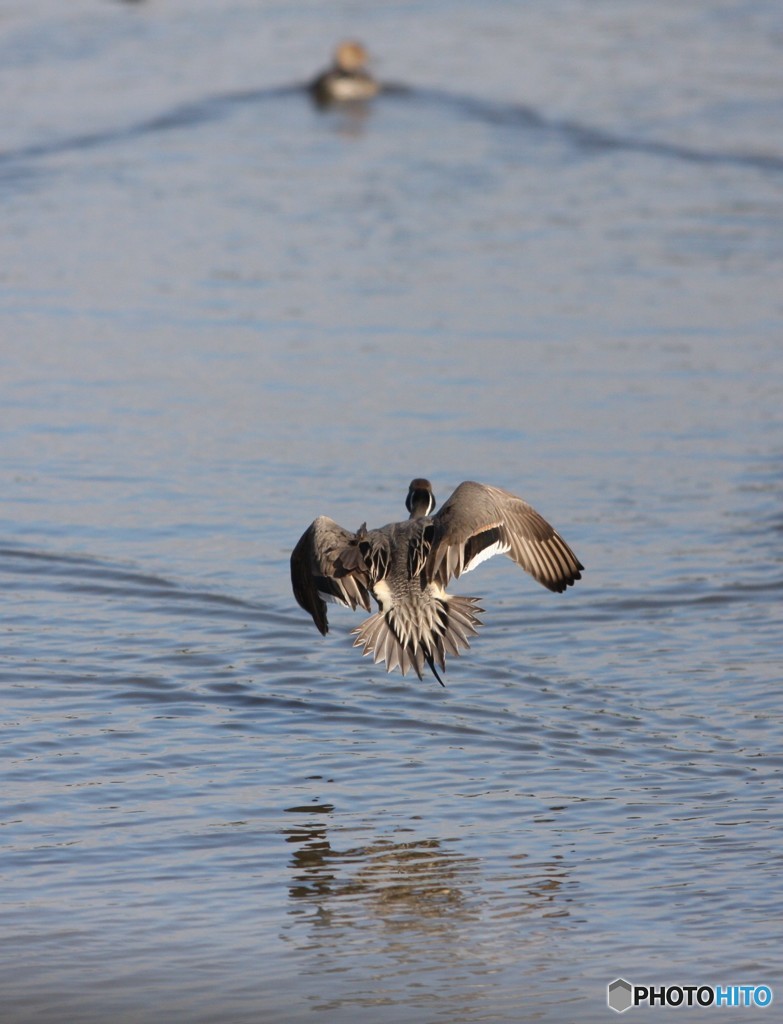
<point>414,904</point>
<point>405,884</point>
<point>415,884</point>
<point>349,121</point>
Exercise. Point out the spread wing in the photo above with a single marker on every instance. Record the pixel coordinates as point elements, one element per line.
<point>479,521</point>
<point>318,575</point>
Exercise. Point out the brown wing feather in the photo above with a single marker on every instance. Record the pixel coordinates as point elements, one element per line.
<point>316,570</point>
<point>479,520</point>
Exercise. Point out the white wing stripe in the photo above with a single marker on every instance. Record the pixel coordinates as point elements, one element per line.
<point>498,548</point>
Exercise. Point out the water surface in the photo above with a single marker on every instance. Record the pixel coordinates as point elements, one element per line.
<point>552,263</point>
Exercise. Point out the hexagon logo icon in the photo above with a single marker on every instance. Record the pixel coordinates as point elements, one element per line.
<point>619,995</point>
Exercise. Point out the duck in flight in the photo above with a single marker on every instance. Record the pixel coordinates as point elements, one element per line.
<point>407,566</point>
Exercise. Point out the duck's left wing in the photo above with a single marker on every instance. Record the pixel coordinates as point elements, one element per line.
<point>479,521</point>
<point>318,575</point>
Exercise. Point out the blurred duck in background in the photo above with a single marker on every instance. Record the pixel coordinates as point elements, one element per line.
<point>347,80</point>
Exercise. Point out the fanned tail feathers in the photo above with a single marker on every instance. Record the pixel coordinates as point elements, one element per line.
<point>398,643</point>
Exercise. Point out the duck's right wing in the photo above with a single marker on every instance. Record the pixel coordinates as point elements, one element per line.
<point>479,521</point>
<point>318,575</point>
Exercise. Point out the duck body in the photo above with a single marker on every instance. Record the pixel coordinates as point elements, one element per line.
<point>347,80</point>
<point>406,567</point>
<point>417,622</point>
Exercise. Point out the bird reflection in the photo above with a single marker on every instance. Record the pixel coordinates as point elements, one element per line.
<point>349,121</point>
<point>310,861</point>
<point>423,881</point>
<point>378,921</point>
<point>418,876</point>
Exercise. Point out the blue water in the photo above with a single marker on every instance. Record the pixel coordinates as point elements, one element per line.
<point>551,262</point>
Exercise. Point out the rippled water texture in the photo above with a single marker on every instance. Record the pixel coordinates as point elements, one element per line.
<point>550,260</point>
